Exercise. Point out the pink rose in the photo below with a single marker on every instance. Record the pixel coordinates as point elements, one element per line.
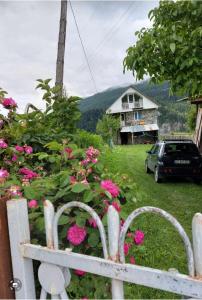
<point>132,260</point>
<point>15,190</point>
<point>33,203</point>
<point>28,149</point>
<point>138,237</point>
<point>79,272</point>
<point>126,248</point>
<point>19,148</point>
<point>92,222</point>
<point>72,179</point>
<point>4,173</point>
<point>110,187</point>
<point>76,235</point>
<point>92,153</point>
<point>14,157</point>
<point>3,144</point>
<point>9,103</point>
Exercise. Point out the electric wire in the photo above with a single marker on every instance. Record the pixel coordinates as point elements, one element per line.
<point>82,44</point>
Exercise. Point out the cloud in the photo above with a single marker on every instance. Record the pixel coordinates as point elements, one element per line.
<point>28,44</point>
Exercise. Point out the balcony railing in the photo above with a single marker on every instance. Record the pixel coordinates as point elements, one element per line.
<point>125,105</point>
<point>138,104</point>
<point>132,123</point>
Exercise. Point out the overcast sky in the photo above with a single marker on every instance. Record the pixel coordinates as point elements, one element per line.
<point>28,45</point>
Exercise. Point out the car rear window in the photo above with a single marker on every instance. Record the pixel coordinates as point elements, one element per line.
<point>181,148</point>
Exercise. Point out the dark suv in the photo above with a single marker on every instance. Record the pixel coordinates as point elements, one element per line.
<point>174,158</point>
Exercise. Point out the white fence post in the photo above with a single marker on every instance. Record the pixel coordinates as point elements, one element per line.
<point>19,234</point>
<point>197,242</point>
<point>113,236</point>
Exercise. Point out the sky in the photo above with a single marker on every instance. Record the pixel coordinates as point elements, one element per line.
<point>28,45</point>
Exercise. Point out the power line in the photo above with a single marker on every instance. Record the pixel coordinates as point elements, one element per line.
<point>84,51</point>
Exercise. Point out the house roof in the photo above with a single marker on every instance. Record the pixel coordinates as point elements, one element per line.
<point>103,100</point>
<point>140,128</point>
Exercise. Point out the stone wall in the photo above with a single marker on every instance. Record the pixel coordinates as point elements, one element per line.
<point>148,115</point>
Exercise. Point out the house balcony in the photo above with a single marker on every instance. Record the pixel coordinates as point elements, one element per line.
<point>133,105</point>
<point>132,123</point>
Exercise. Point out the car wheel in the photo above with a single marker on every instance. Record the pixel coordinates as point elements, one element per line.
<point>156,175</point>
<point>146,168</point>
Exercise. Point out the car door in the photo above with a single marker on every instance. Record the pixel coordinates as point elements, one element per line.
<point>154,157</point>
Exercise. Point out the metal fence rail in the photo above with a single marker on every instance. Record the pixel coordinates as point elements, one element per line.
<point>56,263</point>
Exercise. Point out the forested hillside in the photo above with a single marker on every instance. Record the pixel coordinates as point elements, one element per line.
<point>171,111</point>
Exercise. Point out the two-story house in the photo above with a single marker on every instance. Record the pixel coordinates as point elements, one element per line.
<point>138,117</point>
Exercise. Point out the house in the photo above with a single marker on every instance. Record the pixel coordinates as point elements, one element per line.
<point>138,116</point>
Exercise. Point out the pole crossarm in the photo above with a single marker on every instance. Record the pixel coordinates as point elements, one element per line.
<point>163,280</point>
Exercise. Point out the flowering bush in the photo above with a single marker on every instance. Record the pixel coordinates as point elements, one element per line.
<point>60,171</point>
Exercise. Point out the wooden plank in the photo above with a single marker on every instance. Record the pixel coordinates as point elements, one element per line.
<point>19,233</point>
<point>5,255</point>
<point>167,281</point>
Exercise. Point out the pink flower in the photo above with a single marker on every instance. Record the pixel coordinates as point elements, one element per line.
<point>4,173</point>
<point>3,144</point>
<point>1,123</point>
<point>76,235</point>
<point>72,179</point>
<point>28,174</point>
<point>85,181</point>
<point>92,153</point>
<point>126,248</point>
<point>129,235</point>
<point>92,222</point>
<point>139,237</point>
<point>85,162</point>
<point>116,206</point>
<point>19,148</point>
<point>109,186</point>
<point>132,260</point>
<point>14,157</point>
<point>15,190</point>
<point>9,103</point>
<point>94,160</point>
<point>79,272</point>
<point>28,149</point>
<point>33,203</point>
<point>69,152</point>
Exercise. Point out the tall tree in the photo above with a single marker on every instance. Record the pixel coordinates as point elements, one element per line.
<point>61,44</point>
<point>172,48</point>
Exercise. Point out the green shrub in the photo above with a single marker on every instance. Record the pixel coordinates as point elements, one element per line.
<point>85,139</point>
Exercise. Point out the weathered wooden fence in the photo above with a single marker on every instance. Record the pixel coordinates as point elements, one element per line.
<point>54,275</point>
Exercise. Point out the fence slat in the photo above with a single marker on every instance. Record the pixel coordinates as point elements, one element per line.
<point>5,256</point>
<point>167,281</point>
<point>113,237</point>
<point>19,233</point>
<point>197,242</point>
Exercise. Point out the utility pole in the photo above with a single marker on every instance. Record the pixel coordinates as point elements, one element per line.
<point>61,44</point>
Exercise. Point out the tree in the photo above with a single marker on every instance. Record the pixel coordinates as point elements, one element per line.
<point>172,48</point>
<point>107,127</point>
<point>61,44</point>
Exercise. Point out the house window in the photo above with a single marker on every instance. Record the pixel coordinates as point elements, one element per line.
<point>137,97</point>
<point>122,117</point>
<point>130,97</point>
<point>138,115</point>
<point>124,99</point>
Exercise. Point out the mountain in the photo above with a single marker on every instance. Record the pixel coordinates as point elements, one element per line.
<point>171,111</point>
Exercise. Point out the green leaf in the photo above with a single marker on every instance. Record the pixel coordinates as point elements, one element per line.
<point>88,196</point>
<point>108,194</point>
<point>93,239</point>
<point>172,47</point>
<point>63,220</point>
<point>79,187</point>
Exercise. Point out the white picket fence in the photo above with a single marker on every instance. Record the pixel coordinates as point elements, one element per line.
<point>54,275</point>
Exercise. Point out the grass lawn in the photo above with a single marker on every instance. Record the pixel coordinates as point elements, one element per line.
<point>163,246</point>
